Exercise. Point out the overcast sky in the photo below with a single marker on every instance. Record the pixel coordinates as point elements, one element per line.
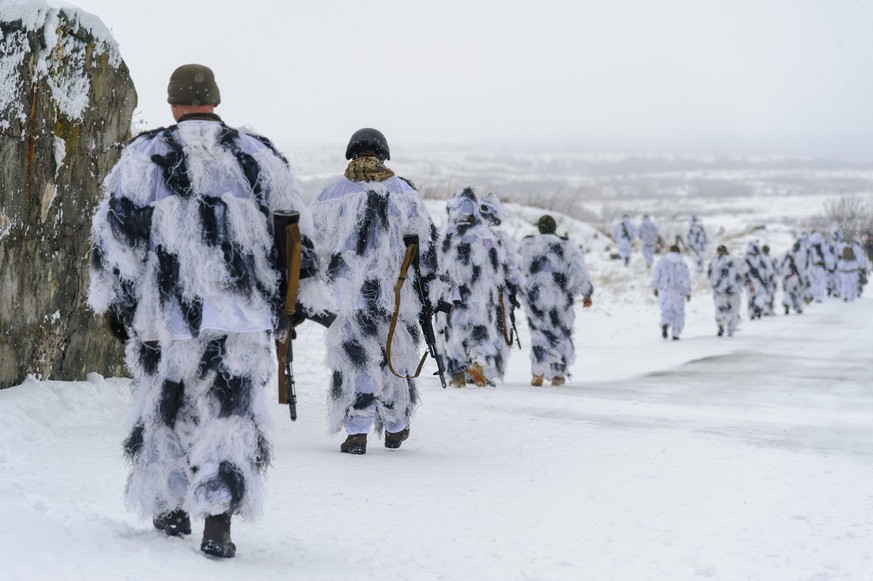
<point>769,76</point>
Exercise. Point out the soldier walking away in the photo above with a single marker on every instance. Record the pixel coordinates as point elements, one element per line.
<point>372,346</point>
<point>472,259</point>
<point>793,280</point>
<point>726,280</point>
<point>182,265</point>
<point>649,239</point>
<point>671,282</point>
<point>624,234</point>
<point>848,270</point>
<point>697,242</point>
<point>555,274</point>
<point>493,214</point>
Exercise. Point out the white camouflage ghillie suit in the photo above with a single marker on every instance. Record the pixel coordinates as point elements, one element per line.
<point>793,281</point>
<point>472,259</point>
<point>697,242</point>
<point>822,262</point>
<point>671,281</point>
<point>648,235</point>
<point>555,274</point>
<point>493,214</point>
<point>183,252</point>
<point>848,270</point>
<point>726,280</point>
<point>772,268</point>
<point>363,218</point>
<point>624,234</point>
<point>758,279</point>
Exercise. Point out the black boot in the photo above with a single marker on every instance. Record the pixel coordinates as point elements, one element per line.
<point>216,537</point>
<point>356,444</point>
<point>664,331</point>
<point>394,439</point>
<point>175,523</point>
<point>787,308</point>
<point>720,330</point>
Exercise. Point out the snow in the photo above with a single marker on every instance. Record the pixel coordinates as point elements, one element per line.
<point>713,458</point>
<point>65,71</point>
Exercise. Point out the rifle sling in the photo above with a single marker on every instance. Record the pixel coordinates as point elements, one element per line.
<point>411,251</point>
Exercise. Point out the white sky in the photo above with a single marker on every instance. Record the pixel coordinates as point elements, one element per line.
<point>733,75</point>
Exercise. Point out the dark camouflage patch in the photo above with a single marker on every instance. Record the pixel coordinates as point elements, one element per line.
<point>172,398</point>
<point>150,356</point>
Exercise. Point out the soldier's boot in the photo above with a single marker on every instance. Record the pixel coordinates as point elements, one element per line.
<point>394,439</point>
<point>537,380</point>
<point>175,523</point>
<point>558,380</point>
<point>720,330</point>
<point>477,375</point>
<point>354,444</point>
<point>216,537</point>
<point>787,308</point>
<point>458,380</point>
<point>664,331</point>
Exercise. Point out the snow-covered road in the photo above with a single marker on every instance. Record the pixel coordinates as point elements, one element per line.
<point>742,458</point>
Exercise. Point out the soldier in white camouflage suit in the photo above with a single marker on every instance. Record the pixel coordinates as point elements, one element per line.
<point>363,217</point>
<point>756,280</point>
<point>793,281</point>
<point>648,234</point>
<point>183,265</point>
<point>555,274</point>
<point>624,235</point>
<point>726,280</point>
<point>697,242</point>
<point>472,259</point>
<point>671,282</point>
<point>493,214</point>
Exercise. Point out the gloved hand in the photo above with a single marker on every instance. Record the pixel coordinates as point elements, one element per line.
<point>687,298</point>
<point>656,292</point>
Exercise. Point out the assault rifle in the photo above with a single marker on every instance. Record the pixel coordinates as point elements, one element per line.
<point>289,258</point>
<point>512,324</point>
<point>286,230</point>
<point>411,258</point>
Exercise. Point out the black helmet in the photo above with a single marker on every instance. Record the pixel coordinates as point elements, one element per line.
<point>368,140</point>
<point>547,225</point>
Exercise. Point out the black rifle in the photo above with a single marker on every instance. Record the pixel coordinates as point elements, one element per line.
<point>427,309</point>
<point>512,324</point>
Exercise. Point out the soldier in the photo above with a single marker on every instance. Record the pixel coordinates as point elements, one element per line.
<point>493,214</point>
<point>555,274</point>
<point>791,269</point>
<point>624,234</point>
<point>726,280</point>
<point>672,285</point>
<point>697,242</point>
<point>473,260</point>
<point>848,269</point>
<point>771,270</point>
<point>649,239</point>
<point>822,262</point>
<point>756,280</point>
<point>364,216</point>
<point>183,265</point>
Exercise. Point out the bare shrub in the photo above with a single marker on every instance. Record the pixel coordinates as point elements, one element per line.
<point>852,214</point>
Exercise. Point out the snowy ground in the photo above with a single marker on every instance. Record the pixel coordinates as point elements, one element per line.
<point>741,458</point>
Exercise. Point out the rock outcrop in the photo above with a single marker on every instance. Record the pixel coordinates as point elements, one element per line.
<point>66,102</point>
